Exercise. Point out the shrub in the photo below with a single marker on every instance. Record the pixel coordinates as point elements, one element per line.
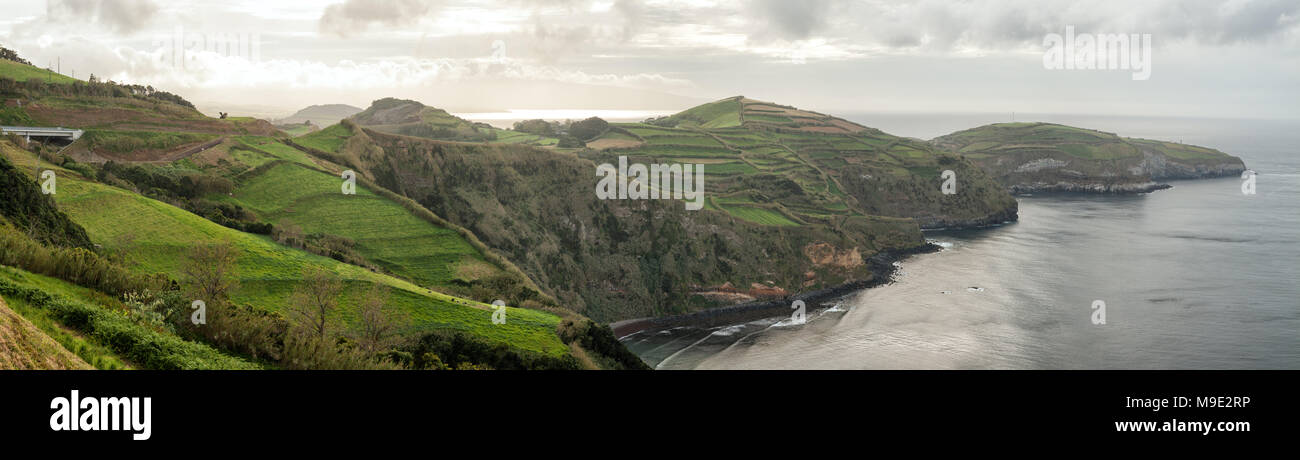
<point>74,265</point>
<point>137,343</point>
<point>588,129</point>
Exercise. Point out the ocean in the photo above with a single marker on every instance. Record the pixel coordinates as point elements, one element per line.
<point>1199,276</point>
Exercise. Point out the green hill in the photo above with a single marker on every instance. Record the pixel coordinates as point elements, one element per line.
<point>411,118</point>
<point>792,205</point>
<point>158,236</point>
<point>1027,157</point>
<point>769,163</point>
<point>23,72</point>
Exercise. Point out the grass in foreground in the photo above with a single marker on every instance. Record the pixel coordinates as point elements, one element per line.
<point>158,236</point>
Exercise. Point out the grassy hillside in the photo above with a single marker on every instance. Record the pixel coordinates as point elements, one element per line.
<point>1028,156</point>
<point>158,236</point>
<point>405,245</point>
<point>34,213</point>
<point>23,72</point>
<point>24,346</point>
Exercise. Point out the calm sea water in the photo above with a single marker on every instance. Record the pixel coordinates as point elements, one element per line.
<point>1199,276</point>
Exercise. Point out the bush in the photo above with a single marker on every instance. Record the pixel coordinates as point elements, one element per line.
<point>538,127</point>
<point>471,353</point>
<point>570,142</point>
<point>35,213</point>
<point>588,129</point>
<point>74,265</point>
<point>116,329</point>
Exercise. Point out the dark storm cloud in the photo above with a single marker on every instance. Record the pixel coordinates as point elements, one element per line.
<point>123,16</point>
<point>993,25</point>
<point>791,20</point>
<point>1224,23</point>
<point>356,16</point>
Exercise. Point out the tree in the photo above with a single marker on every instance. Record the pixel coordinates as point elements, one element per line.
<point>209,272</point>
<point>314,299</point>
<point>538,127</point>
<point>569,142</point>
<point>588,129</point>
<point>379,321</point>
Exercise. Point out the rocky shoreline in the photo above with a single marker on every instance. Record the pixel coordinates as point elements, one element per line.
<point>1129,188</point>
<point>1010,214</point>
<point>1071,187</point>
<point>881,266</point>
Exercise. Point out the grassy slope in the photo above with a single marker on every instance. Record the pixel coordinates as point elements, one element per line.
<point>329,139</point>
<point>24,346</point>
<point>98,355</point>
<point>161,235</point>
<point>403,244</point>
<point>23,72</point>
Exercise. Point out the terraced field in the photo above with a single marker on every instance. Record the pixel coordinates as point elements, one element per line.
<point>815,166</point>
<point>405,245</point>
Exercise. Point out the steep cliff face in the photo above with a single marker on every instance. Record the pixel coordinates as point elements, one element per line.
<point>1045,157</point>
<point>794,201</point>
<point>618,259</point>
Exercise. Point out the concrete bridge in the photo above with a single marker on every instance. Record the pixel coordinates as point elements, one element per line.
<point>47,133</point>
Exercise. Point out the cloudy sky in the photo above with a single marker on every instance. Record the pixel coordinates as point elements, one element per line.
<point>1233,58</point>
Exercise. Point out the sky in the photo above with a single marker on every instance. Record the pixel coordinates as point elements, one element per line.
<point>1223,59</point>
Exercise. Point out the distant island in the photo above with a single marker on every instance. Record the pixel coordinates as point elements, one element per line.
<point>1048,157</point>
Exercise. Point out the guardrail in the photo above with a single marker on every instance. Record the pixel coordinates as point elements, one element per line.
<point>29,132</point>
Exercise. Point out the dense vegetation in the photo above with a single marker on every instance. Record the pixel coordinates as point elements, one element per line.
<point>35,213</point>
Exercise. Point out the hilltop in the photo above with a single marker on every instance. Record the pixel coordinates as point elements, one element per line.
<point>1036,157</point>
<point>320,115</point>
<point>411,118</point>
<point>776,163</point>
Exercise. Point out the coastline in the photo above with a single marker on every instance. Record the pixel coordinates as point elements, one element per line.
<point>880,264</point>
